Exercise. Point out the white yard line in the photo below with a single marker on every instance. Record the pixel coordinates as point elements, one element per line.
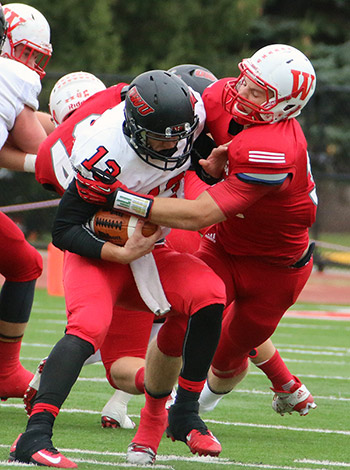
<point>216,461</point>
<point>323,462</point>
<point>225,423</point>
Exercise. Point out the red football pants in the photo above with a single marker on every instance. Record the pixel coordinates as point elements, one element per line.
<point>261,293</point>
<point>93,287</point>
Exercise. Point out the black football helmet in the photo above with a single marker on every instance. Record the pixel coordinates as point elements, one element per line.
<point>195,76</point>
<point>3,28</point>
<point>160,105</point>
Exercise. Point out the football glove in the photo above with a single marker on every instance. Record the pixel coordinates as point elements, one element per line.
<point>98,191</point>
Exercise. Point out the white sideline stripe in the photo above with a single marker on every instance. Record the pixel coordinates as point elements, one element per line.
<point>161,458</point>
<point>214,421</point>
<point>314,353</point>
<point>311,376</point>
<point>122,465</point>
<point>167,458</point>
<point>286,359</point>
<point>177,459</point>
<point>305,361</point>
<point>292,348</point>
<point>323,462</point>
<point>285,428</point>
<point>318,397</point>
<point>306,346</point>
<point>238,391</point>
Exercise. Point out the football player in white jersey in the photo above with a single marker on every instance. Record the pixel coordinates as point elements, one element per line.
<point>20,131</point>
<point>27,43</point>
<point>52,168</point>
<point>145,144</point>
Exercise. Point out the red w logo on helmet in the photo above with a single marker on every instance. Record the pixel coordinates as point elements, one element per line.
<point>138,102</point>
<point>304,87</point>
<point>12,18</point>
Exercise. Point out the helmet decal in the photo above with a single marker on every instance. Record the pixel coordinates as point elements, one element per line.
<point>13,19</point>
<point>138,102</point>
<point>70,91</point>
<point>202,73</point>
<point>303,88</point>
<point>195,76</point>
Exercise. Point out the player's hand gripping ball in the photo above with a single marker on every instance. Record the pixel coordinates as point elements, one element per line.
<point>117,227</point>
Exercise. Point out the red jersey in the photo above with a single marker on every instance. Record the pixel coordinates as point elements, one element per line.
<point>52,166</point>
<point>270,222</point>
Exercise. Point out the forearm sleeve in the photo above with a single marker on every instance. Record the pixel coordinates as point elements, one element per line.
<point>69,229</point>
<point>202,148</point>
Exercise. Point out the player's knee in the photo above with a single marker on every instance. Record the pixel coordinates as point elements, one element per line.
<point>231,370</point>
<point>171,336</point>
<point>30,267</point>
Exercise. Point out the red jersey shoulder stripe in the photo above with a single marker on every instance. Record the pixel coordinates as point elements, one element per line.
<point>266,157</point>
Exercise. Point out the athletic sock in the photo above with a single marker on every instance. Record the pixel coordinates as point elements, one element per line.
<point>153,422</point>
<point>62,369</point>
<point>201,340</point>
<point>14,378</point>
<point>209,399</point>
<point>278,373</point>
<point>36,437</point>
<point>140,380</point>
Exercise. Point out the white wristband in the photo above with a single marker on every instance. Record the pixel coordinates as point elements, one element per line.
<point>29,163</point>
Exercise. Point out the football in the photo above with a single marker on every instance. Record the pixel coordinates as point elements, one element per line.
<point>117,227</point>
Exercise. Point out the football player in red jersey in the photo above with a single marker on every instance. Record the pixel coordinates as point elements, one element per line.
<point>25,35</point>
<point>265,356</point>
<point>262,206</point>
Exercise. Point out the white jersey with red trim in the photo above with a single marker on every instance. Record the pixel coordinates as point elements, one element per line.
<point>19,86</point>
<point>105,146</point>
<point>52,167</point>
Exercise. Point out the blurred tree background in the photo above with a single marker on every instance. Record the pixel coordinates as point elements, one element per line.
<point>118,39</point>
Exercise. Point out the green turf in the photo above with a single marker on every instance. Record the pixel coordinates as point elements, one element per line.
<point>252,435</point>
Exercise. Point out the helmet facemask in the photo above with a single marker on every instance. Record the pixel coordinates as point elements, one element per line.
<point>41,60</point>
<point>163,159</point>
<point>233,101</point>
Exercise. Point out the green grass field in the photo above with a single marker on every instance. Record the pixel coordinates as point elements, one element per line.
<point>252,435</point>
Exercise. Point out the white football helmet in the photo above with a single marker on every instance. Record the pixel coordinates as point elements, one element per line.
<point>29,27</point>
<point>287,78</point>
<point>70,92</point>
<point>3,27</point>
